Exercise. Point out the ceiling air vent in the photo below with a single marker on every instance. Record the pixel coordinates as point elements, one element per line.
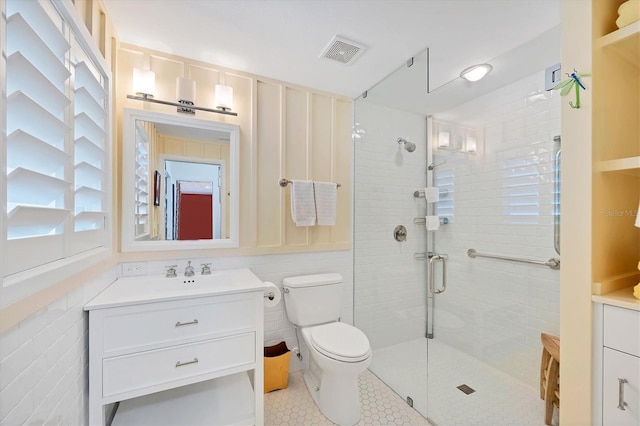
<point>343,50</point>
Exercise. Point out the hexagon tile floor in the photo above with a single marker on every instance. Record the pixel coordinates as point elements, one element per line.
<point>380,405</point>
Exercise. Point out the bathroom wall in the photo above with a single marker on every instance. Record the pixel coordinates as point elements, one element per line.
<point>501,202</point>
<point>44,359</point>
<point>390,285</point>
<point>286,131</point>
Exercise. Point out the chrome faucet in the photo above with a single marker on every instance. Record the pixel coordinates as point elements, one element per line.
<point>188,271</point>
<point>206,269</point>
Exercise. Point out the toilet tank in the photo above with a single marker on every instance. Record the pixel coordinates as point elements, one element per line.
<point>313,299</point>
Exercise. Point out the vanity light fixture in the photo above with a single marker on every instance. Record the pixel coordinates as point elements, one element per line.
<point>476,72</point>
<point>144,88</point>
<point>224,97</point>
<point>186,95</point>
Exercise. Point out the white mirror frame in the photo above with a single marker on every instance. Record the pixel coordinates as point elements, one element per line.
<point>129,243</point>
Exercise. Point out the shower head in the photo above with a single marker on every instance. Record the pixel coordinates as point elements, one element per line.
<point>409,146</point>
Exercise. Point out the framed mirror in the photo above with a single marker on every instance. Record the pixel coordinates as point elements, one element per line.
<point>180,182</point>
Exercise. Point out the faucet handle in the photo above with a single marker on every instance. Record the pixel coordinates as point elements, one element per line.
<point>206,269</point>
<point>171,271</point>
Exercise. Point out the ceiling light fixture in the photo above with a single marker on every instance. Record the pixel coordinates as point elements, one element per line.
<point>144,89</point>
<point>476,72</point>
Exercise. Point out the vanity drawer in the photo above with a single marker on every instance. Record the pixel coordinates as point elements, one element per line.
<point>622,329</point>
<point>137,327</point>
<point>151,368</point>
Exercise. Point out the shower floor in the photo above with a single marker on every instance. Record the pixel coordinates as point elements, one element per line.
<point>499,399</point>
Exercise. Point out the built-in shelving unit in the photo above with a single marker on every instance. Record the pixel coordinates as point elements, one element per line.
<point>616,143</point>
<point>625,41</point>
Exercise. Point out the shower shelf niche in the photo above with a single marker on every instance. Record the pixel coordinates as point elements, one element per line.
<point>628,165</point>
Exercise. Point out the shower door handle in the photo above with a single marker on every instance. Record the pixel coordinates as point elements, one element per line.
<point>432,260</point>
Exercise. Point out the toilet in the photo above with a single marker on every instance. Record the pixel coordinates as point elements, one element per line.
<point>338,352</point>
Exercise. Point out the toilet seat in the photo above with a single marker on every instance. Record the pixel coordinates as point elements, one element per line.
<point>340,341</point>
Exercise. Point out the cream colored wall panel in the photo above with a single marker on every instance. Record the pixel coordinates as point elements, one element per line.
<point>206,80</point>
<point>173,146</point>
<point>341,233</point>
<point>296,154</point>
<point>243,103</point>
<point>167,71</point>
<point>321,153</point>
<point>127,61</point>
<point>193,148</point>
<point>576,221</point>
<point>212,150</point>
<point>268,132</point>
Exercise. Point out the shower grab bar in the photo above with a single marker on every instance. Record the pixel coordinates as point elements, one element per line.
<point>433,259</point>
<point>284,182</point>
<point>553,263</point>
<point>422,220</point>
<point>556,197</point>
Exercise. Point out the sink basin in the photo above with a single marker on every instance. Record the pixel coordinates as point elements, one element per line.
<point>152,288</point>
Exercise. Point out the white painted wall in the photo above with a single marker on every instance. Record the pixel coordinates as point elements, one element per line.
<point>44,359</point>
<point>502,203</point>
<point>390,285</point>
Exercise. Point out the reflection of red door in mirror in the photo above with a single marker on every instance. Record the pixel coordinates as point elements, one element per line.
<point>194,210</point>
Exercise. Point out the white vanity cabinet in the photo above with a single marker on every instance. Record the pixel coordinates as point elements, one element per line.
<point>616,364</point>
<point>182,351</point>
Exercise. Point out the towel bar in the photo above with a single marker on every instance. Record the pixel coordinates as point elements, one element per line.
<point>285,182</point>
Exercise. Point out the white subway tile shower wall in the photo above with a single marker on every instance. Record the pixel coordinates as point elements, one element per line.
<point>44,362</point>
<point>502,204</point>
<point>44,359</point>
<point>390,285</point>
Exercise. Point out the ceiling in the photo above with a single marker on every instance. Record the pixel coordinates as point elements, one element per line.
<point>284,39</point>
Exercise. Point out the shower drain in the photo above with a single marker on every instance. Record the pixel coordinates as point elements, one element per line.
<point>466,389</point>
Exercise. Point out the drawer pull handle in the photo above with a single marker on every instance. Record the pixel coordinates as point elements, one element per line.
<point>180,324</point>
<point>621,403</point>
<point>182,364</point>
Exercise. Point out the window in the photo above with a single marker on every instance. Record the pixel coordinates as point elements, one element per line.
<point>57,133</point>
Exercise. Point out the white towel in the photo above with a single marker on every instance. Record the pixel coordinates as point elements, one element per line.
<point>303,209</point>
<point>326,200</point>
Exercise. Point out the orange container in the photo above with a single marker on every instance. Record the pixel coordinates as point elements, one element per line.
<point>276,367</point>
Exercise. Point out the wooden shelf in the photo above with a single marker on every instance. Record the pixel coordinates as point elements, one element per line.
<point>629,165</point>
<point>625,41</point>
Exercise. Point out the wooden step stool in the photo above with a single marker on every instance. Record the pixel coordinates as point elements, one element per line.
<point>550,375</point>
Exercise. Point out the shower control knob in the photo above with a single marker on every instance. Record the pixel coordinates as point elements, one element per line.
<point>400,233</point>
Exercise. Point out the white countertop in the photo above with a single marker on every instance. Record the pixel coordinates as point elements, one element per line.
<point>622,298</point>
<point>155,288</point>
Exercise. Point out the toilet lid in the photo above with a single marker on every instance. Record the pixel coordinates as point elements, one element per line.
<point>340,341</point>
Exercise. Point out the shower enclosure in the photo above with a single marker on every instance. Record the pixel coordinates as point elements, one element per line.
<point>454,306</point>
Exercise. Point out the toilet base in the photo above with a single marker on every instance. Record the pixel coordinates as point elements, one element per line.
<point>337,397</point>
